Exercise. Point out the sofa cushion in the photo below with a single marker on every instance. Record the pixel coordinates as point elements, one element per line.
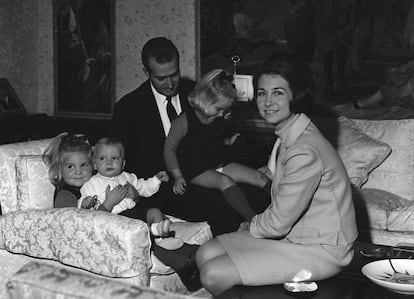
<point>379,209</point>
<point>34,190</point>
<point>359,152</point>
<point>396,174</point>
<point>96,241</point>
<point>39,280</point>
<point>8,155</point>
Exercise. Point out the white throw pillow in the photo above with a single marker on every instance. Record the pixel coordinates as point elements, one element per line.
<point>396,174</point>
<point>359,152</point>
<point>34,190</point>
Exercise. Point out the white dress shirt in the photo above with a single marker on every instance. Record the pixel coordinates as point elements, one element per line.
<point>161,101</point>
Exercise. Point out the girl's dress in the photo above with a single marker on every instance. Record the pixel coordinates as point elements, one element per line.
<point>66,196</point>
<point>199,146</point>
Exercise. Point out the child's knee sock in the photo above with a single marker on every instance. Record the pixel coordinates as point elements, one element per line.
<point>268,187</point>
<point>238,201</point>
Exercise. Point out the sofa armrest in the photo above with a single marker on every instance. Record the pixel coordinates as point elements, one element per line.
<point>38,280</point>
<point>100,242</point>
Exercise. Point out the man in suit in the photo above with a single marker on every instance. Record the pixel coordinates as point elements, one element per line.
<point>141,121</point>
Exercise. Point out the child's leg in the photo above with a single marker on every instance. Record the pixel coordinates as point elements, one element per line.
<point>232,193</point>
<point>154,215</point>
<point>244,174</point>
<point>159,225</point>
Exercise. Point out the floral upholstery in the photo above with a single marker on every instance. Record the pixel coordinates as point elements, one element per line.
<point>8,156</point>
<point>38,280</point>
<point>34,190</point>
<point>96,241</point>
<point>396,173</point>
<point>378,209</point>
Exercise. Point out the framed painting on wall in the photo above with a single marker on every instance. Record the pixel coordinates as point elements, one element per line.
<point>84,57</point>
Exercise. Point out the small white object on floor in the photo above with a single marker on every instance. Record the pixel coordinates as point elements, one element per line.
<point>169,243</point>
<point>303,286</point>
<point>301,283</point>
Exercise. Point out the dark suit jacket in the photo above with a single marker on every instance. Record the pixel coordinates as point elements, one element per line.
<point>137,123</point>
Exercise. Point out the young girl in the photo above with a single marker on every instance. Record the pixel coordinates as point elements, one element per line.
<point>197,150</point>
<point>69,158</point>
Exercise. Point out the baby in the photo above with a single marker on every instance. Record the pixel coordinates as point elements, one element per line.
<point>108,160</point>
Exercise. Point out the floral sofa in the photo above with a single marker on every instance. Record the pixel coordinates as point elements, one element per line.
<point>379,158</point>
<point>69,250</point>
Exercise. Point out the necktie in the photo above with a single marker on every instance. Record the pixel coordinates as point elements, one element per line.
<point>172,113</point>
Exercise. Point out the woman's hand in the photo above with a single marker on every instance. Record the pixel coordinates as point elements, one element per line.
<point>244,226</point>
<point>115,196</point>
<point>162,176</point>
<point>232,139</point>
<point>179,185</point>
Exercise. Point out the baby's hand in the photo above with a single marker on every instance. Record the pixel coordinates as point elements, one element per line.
<point>162,176</point>
<point>115,196</point>
<point>179,185</point>
<point>89,202</point>
<point>232,139</point>
<point>132,192</point>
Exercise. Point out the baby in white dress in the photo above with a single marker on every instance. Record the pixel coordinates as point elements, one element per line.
<point>108,160</point>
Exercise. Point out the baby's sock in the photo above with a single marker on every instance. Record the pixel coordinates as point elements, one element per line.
<point>238,201</point>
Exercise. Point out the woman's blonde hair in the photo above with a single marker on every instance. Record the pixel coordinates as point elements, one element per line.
<point>214,87</point>
<point>61,144</point>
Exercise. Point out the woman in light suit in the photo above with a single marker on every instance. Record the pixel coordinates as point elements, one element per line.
<point>310,224</point>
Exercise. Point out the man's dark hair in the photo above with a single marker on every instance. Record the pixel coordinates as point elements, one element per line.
<point>161,48</point>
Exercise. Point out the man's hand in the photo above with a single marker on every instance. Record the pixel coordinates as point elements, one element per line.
<point>163,176</point>
<point>232,139</point>
<point>179,185</point>
<point>115,196</point>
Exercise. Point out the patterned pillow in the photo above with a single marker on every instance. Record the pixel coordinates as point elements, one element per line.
<point>8,154</point>
<point>96,241</point>
<point>396,174</point>
<point>38,280</point>
<point>359,152</point>
<point>34,190</point>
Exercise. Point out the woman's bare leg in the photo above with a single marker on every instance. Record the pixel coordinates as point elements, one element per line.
<point>217,271</point>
